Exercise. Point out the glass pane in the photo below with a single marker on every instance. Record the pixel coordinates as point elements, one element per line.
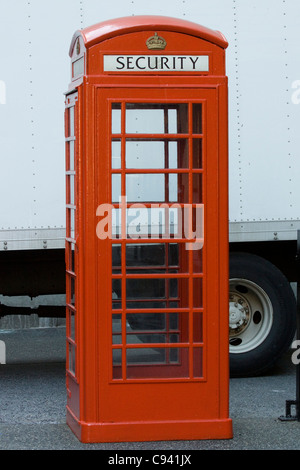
<point>152,258</point>
<point>194,229</point>
<point>197,188</point>
<point>71,266</point>
<point>141,120</point>
<point>71,155</point>
<point>197,327</point>
<point>133,338</point>
<point>157,327</point>
<point>72,291</point>
<point>117,328</point>
<point>145,154</point>
<point>117,361</point>
<point>116,259</point>
<point>71,331</point>
<point>146,321</point>
<point>116,154</point>
<point>193,225</point>
<point>116,293</point>
<point>115,188</point>
<point>183,153</point>
<point>78,67</point>
<point>183,188</point>
<point>166,362</point>
<point>197,118</point>
<point>154,222</point>
<point>157,293</point>
<point>137,222</point>
<point>117,356</point>
<point>173,187</point>
<point>173,321</point>
<point>145,187</point>
<point>116,118</point>
<point>146,356</point>
<point>71,189</point>
<point>140,223</point>
<point>197,261</point>
<point>145,256</point>
<point>72,358</point>
<point>172,121</point>
<point>71,121</point>
<point>116,222</point>
<point>72,223</point>
<point>182,118</point>
<point>151,188</point>
<point>138,290</point>
<point>156,118</point>
<point>178,153</point>
<point>198,294</point>
<point>156,153</point>
<point>197,153</point>
<point>173,258</point>
<point>173,153</point>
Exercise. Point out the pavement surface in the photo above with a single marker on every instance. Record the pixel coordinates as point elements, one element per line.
<point>33,400</point>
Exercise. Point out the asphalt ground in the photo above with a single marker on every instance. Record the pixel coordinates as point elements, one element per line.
<point>33,400</point>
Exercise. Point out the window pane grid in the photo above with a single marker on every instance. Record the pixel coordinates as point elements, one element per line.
<point>170,147</point>
<point>71,290</point>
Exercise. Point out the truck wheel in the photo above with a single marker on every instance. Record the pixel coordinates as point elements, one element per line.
<point>262,315</point>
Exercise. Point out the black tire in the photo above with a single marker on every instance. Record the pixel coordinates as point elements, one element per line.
<point>262,308</point>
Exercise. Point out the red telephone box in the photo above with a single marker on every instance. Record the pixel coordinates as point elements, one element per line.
<point>147,232</point>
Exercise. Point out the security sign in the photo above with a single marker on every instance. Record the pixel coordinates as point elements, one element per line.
<point>157,63</point>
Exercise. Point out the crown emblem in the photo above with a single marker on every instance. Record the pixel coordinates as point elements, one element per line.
<point>156,43</point>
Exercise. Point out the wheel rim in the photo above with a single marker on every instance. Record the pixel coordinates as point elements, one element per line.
<point>250,315</point>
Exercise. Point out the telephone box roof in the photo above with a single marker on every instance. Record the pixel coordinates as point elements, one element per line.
<point>114,27</point>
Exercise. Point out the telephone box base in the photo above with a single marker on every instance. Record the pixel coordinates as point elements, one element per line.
<point>150,431</point>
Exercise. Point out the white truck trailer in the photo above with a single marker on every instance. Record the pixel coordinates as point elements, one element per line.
<point>264,147</point>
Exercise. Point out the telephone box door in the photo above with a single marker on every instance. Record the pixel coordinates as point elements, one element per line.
<point>159,253</point>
